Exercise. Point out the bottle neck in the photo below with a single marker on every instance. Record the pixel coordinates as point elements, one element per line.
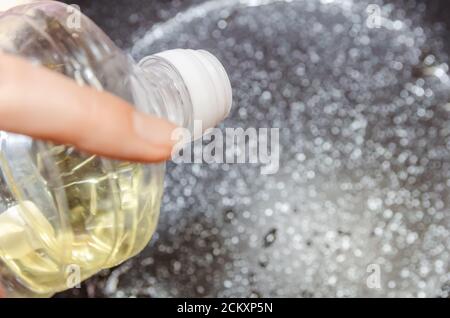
<point>185,86</point>
<point>159,89</point>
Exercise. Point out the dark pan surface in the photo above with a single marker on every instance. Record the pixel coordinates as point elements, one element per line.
<point>363,184</point>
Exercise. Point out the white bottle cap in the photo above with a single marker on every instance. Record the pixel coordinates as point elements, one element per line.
<point>206,81</point>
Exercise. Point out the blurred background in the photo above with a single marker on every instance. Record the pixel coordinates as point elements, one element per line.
<point>360,91</point>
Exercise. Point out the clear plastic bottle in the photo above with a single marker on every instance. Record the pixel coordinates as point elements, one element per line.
<point>66,214</point>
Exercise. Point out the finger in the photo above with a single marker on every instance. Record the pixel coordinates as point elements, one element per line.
<point>46,105</point>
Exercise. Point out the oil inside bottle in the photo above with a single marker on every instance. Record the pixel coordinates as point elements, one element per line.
<point>110,219</point>
<point>105,210</point>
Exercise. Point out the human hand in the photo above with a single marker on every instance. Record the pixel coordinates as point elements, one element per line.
<point>47,105</point>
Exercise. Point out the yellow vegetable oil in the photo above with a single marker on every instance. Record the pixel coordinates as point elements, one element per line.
<point>65,215</point>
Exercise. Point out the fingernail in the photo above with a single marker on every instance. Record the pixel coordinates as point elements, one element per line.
<point>154,130</point>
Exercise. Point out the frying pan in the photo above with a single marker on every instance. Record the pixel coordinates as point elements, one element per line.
<point>359,206</point>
